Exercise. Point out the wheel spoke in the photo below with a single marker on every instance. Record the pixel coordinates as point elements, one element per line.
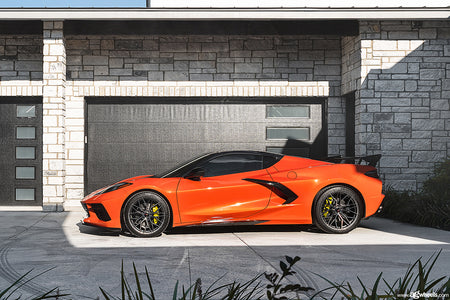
<point>341,212</point>
<point>147,214</point>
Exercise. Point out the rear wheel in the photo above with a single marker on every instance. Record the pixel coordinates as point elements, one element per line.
<point>338,209</point>
<point>146,214</point>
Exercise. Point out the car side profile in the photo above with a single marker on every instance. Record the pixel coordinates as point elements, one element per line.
<point>240,187</point>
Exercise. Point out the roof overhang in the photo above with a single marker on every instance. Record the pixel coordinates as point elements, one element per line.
<point>226,14</point>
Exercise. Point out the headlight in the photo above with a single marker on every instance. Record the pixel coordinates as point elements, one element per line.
<point>114,187</point>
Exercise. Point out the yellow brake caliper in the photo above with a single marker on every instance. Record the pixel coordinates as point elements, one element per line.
<point>327,206</point>
<point>155,214</point>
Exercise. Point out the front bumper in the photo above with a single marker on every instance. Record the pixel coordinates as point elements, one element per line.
<point>103,210</point>
<point>98,209</point>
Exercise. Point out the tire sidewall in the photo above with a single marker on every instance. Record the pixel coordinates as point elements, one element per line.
<point>136,197</point>
<point>318,204</point>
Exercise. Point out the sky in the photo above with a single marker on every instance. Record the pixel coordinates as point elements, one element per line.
<point>72,3</point>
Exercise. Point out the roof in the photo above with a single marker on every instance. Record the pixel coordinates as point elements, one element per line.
<point>297,3</point>
<point>279,13</point>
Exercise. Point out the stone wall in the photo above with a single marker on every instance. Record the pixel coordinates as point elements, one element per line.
<point>229,66</point>
<point>54,113</point>
<point>20,65</point>
<point>351,64</point>
<point>21,57</point>
<point>400,71</point>
<point>402,106</point>
<point>203,58</point>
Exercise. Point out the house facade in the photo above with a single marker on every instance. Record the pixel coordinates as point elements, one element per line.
<point>92,96</point>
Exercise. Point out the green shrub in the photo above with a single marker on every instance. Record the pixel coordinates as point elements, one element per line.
<point>280,286</point>
<point>428,207</point>
<point>12,291</point>
<point>249,290</point>
<point>415,284</point>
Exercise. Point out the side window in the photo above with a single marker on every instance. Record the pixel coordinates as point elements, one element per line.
<point>270,160</point>
<point>231,164</point>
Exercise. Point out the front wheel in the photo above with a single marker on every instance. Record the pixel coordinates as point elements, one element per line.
<point>338,209</point>
<point>146,214</point>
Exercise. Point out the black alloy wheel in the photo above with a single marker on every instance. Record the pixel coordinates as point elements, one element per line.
<point>146,214</point>
<point>338,209</point>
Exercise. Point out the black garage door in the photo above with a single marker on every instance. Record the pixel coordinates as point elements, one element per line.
<point>20,151</point>
<point>130,137</point>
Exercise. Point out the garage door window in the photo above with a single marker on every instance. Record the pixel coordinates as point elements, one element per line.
<point>279,133</point>
<point>284,111</point>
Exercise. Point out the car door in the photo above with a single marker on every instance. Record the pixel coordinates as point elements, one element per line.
<point>221,195</point>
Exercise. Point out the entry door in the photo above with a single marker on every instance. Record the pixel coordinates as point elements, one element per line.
<point>20,151</point>
<point>222,195</point>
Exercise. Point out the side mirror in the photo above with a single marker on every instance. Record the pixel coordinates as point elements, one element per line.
<point>195,174</point>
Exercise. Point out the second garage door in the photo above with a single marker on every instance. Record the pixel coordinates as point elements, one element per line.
<point>130,137</point>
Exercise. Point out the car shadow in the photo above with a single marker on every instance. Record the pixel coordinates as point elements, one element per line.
<point>208,229</point>
<point>211,229</point>
<point>376,224</point>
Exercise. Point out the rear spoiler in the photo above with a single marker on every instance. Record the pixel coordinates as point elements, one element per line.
<point>372,160</point>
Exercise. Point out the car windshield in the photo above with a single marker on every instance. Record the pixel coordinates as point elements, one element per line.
<point>182,168</point>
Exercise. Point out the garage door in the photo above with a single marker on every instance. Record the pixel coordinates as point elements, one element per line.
<point>20,151</point>
<point>130,137</point>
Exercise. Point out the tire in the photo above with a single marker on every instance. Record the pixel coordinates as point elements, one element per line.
<point>337,209</point>
<point>146,214</point>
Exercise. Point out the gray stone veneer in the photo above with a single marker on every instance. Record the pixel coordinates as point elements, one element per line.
<point>402,104</point>
<point>20,57</point>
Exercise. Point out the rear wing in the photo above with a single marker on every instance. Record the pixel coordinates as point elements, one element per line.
<point>371,160</point>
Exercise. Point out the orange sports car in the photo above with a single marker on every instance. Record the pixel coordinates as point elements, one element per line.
<point>240,187</point>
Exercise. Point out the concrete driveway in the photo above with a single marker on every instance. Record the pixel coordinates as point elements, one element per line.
<point>84,258</point>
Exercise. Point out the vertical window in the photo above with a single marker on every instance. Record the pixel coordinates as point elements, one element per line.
<point>26,111</point>
<point>25,153</point>
<point>25,194</point>
<point>26,133</point>
<point>25,173</point>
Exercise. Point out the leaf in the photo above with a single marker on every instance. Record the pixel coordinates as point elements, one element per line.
<point>152,294</point>
<point>375,286</point>
<point>175,291</point>
<point>138,283</point>
<point>105,294</point>
<point>295,288</point>
<point>289,259</point>
<point>283,266</point>
<point>270,276</point>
